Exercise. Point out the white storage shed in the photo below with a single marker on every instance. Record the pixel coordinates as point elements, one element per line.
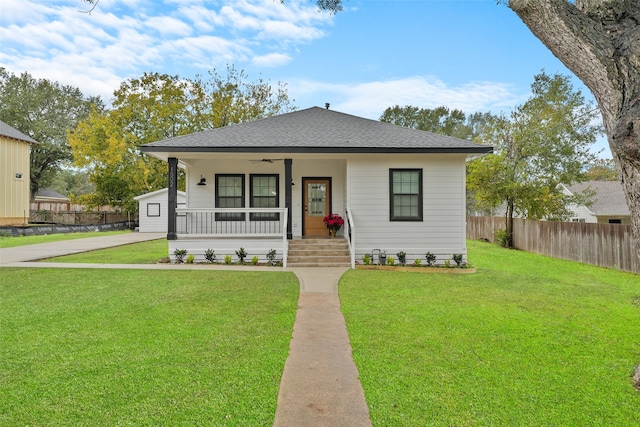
<point>154,208</point>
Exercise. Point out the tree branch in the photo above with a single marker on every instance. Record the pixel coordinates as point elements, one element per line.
<point>94,3</point>
<point>577,40</point>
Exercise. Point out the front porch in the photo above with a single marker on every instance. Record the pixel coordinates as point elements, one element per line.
<point>259,232</point>
<point>225,231</point>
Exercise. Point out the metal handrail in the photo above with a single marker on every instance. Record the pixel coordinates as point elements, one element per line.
<point>351,237</point>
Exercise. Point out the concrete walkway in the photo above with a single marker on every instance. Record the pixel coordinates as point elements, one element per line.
<point>38,251</point>
<point>319,385</point>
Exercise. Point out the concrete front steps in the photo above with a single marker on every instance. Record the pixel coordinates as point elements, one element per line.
<point>320,252</point>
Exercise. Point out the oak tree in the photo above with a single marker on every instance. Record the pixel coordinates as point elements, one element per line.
<point>45,110</point>
<point>438,120</point>
<point>602,170</point>
<point>599,40</point>
<point>542,143</point>
<point>154,107</point>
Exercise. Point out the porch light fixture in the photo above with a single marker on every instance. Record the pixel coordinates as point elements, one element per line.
<point>203,181</point>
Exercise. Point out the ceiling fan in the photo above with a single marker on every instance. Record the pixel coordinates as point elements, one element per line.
<point>265,160</point>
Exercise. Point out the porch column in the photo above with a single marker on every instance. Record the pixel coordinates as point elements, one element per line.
<point>288,182</point>
<point>173,198</point>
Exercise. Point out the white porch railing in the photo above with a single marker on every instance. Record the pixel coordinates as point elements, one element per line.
<point>242,222</point>
<point>350,234</point>
<point>234,223</point>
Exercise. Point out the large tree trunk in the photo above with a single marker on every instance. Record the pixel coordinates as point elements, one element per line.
<point>508,243</point>
<point>599,40</point>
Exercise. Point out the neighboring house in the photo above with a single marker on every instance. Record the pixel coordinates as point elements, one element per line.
<point>260,184</point>
<point>609,203</point>
<point>48,199</point>
<point>154,208</point>
<point>15,149</point>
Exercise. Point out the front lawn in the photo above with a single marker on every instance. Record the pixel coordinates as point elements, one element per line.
<point>526,341</point>
<point>148,252</point>
<point>11,242</point>
<point>143,348</point>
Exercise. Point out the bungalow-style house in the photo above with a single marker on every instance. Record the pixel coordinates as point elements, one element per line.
<point>267,184</point>
<point>153,210</point>
<point>609,203</point>
<point>15,149</point>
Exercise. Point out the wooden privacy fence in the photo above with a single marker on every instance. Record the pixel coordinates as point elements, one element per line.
<point>604,245</point>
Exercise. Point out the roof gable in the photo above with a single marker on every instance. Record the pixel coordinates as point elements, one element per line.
<point>50,193</point>
<point>315,130</point>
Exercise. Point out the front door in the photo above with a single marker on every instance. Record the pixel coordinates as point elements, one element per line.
<point>317,205</point>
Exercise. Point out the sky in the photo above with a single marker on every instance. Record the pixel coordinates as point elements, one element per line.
<point>473,55</point>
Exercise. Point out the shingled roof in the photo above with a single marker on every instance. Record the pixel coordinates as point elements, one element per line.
<point>609,198</point>
<point>316,130</point>
<point>11,132</point>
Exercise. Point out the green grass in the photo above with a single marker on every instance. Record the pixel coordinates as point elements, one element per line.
<point>143,348</point>
<point>136,253</point>
<point>10,242</point>
<point>526,341</point>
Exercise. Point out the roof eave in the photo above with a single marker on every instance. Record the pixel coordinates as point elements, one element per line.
<point>321,150</point>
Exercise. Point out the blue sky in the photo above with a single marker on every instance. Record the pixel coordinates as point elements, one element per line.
<point>472,55</point>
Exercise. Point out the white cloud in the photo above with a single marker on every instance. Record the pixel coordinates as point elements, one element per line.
<point>19,12</point>
<point>167,26</point>
<point>206,51</point>
<point>271,60</point>
<point>289,31</point>
<point>124,38</point>
<point>370,99</point>
<point>202,19</point>
<point>294,22</point>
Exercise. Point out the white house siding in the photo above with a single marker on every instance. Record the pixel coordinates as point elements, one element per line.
<point>160,204</point>
<point>361,179</point>
<point>582,214</point>
<point>442,230</point>
<point>223,247</point>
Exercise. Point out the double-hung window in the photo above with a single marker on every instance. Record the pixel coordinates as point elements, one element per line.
<point>405,194</point>
<point>229,194</point>
<point>264,194</point>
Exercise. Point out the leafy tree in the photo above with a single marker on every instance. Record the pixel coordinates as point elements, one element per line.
<point>439,120</point>
<point>599,41</point>
<point>71,183</point>
<point>542,143</point>
<point>602,170</point>
<point>45,111</point>
<point>155,107</point>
